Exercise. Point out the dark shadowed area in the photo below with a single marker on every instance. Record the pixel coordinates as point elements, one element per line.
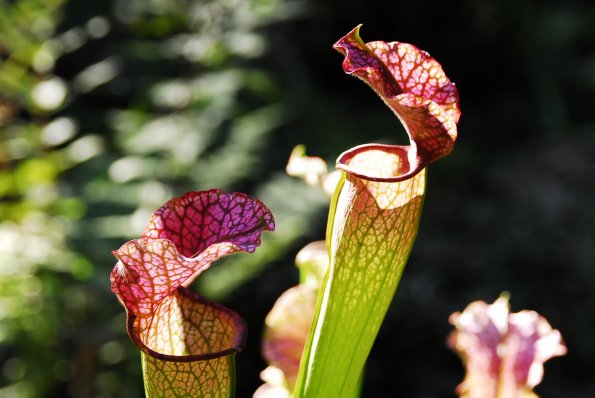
<point>110,108</point>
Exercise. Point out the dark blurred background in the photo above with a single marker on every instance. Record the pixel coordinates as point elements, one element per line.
<point>109,108</point>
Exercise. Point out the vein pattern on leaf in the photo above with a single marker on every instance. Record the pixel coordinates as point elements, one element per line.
<point>188,379</point>
<point>373,231</point>
<point>203,336</point>
<point>182,239</point>
<point>415,87</point>
<point>189,341</point>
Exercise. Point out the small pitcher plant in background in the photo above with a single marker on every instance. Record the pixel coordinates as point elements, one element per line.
<point>503,352</point>
<point>289,322</point>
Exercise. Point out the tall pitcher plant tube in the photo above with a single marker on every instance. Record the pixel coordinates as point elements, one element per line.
<point>375,211</point>
<point>188,343</point>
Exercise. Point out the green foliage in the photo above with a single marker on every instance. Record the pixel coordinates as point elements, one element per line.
<point>106,113</point>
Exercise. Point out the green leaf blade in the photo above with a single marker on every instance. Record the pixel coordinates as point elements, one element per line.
<point>373,232</point>
<point>189,379</point>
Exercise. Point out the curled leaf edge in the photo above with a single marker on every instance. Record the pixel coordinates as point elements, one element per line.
<point>416,161</point>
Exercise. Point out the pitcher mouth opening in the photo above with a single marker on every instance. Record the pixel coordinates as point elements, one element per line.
<point>381,163</point>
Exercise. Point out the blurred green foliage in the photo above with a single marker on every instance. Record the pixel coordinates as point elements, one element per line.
<point>109,108</point>
<point>106,113</point>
